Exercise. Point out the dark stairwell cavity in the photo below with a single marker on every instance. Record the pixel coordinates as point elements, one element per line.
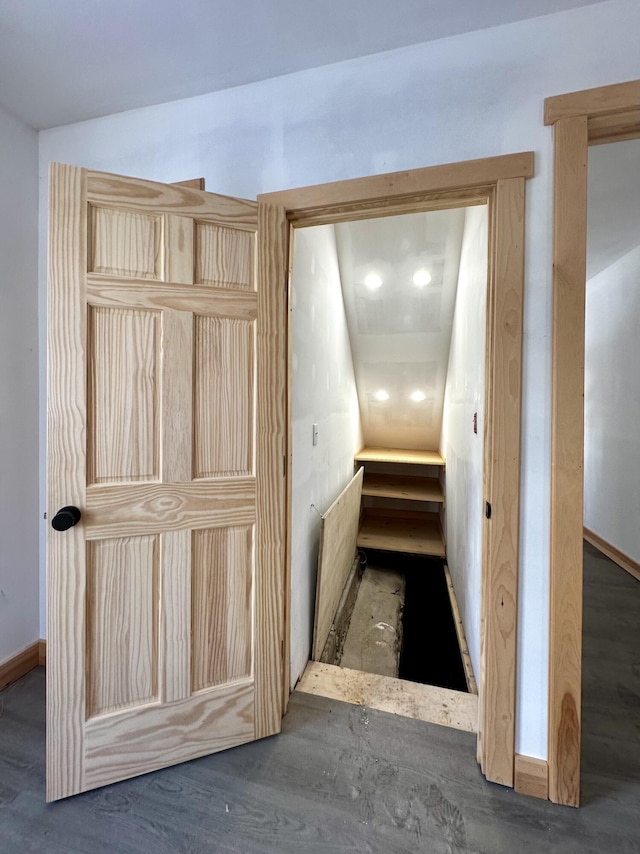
<point>430,653</point>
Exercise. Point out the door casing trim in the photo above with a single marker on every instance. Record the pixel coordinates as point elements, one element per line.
<point>580,119</point>
<point>500,182</point>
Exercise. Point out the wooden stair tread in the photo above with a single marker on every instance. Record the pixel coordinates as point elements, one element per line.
<point>403,486</point>
<point>397,455</point>
<point>397,531</point>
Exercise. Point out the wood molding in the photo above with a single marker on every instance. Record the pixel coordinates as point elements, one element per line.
<point>567,449</point>
<point>470,679</point>
<point>18,665</point>
<point>500,182</point>
<point>42,652</point>
<point>531,776</point>
<point>428,180</point>
<point>624,561</point>
<point>601,101</point>
<point>578,120</point>
<point>614,128</point>
<point>503,389</point>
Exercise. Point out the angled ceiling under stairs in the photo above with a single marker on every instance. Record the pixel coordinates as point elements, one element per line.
<point>399,280</point>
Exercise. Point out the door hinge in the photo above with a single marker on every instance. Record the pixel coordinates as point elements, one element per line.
<point>487,510</point>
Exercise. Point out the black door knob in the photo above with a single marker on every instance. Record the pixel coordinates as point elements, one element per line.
<point>66,518</point>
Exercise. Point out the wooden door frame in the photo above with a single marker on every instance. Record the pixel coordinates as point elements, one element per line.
<point>580,119</point>
<point>500,182</point>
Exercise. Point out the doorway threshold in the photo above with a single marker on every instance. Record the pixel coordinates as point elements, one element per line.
<point>429,703</point>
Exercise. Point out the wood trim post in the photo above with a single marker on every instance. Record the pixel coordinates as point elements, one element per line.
<point>567,457</point>
<point>503,394</point>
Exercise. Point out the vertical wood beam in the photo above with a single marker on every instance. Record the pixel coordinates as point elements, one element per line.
<point>66,419</point>
<point>269,658</point>
<point>500,599</point>
<point>567,458</point>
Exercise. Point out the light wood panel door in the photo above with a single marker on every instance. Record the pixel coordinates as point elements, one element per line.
<point>165,429</point>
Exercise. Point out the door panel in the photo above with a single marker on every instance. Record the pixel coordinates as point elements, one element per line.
<point>165,612</point>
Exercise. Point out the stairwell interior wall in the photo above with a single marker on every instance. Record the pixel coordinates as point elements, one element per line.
<point>462,448</point>
<point>19,521</point>
<point>612,405</point>
<point>476,95</point>
<point>324,393</point>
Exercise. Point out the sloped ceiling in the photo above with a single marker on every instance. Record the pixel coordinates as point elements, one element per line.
<point>64,61</point>
<point>400,332</point>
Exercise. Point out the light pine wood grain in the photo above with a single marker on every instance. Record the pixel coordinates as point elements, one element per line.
<point>123,389</point>
<point>124,622</point>
<point>404,487</point>
<point>156,507</point>
<point>178,249</point>
<point>501,577</point>
<point>122,617</point>
<point>397,696</point>
<point>141,195</point>
<point>398,455</point>
<point>614,128</point>
<point>606,113</point>
<point>601,101</point>
<point>222,302</point>
<point>567,449</point>
<point>429,180</point>
<point>125,243</point>
<point>174,635</point>
<point>128,744</point>
<point>401,531</point>
<point>338,534</point>
<point>271,456</point>
<point>221,606</point>
<point>223,389</point>
<point>66,480</point>
<point>176,463</point>
<point>224,257</point>
<point>531,776</point>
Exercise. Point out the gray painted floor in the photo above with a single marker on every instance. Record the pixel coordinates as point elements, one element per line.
<point>342,778</point>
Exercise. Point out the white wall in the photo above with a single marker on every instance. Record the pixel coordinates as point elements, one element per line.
<point>474,95</point>
<point>462,448</point>
<point>324,393</point>
<point>612,405</point>
<point>18,387</point>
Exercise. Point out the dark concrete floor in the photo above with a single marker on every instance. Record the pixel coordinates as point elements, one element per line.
<point>342,778</point>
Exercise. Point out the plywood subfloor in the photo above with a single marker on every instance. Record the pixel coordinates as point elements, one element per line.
<point>397,696</point>
<point>397,531</point>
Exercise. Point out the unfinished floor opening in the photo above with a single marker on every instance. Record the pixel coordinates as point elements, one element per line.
<point>388,349</point>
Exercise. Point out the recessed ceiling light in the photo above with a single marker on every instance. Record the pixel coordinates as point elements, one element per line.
<point>418,396</point>
<point>421,278</point>
<point>373,281</point>
<point>381,395</point>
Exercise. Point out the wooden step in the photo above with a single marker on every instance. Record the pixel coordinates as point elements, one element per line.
<point>395,455</point>
<point>402,486</point>
<point>401,531</point>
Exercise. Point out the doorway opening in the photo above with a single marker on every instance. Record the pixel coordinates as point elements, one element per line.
<point>388,330</point>
<point>499,182</point>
